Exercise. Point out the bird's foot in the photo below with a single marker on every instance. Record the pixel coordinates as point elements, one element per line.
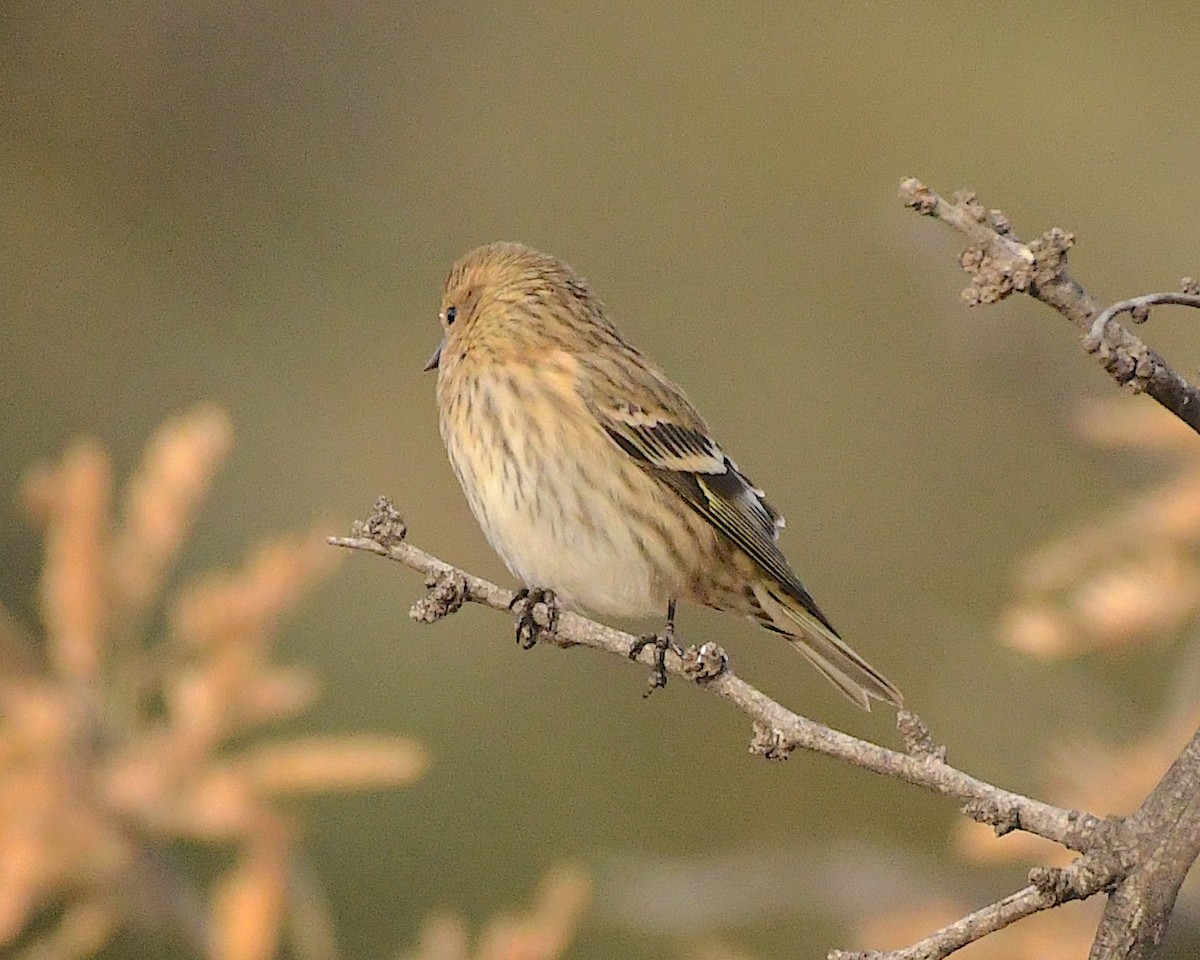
<point>662,642</point>
<point>529,630</point>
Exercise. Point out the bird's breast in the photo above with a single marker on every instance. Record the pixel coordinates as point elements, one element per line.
<point>560,503</point>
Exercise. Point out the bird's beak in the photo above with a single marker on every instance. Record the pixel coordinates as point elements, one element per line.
<point>436,358</point>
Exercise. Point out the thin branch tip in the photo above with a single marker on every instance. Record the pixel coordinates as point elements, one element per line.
<point>998,265</point>
<point>917,196</point>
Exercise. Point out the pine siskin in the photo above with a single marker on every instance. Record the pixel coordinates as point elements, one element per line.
<point>591,473</point>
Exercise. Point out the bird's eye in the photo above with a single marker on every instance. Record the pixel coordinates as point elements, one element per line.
<point>451,314</point>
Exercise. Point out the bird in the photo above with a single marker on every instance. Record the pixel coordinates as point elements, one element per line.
<point>594,477</point>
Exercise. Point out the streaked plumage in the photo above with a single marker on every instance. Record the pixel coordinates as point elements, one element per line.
<point>592,475</point>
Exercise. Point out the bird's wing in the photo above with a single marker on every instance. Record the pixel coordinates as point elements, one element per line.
<point>675,447</point>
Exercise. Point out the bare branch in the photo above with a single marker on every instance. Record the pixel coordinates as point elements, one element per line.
<point>999,264</point>
<point>924,764</point>
<point>778,731</point>
<point>1048,887</point>
<point>1151,852</point>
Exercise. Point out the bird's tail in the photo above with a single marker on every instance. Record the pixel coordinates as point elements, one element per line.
<point>803,625</point>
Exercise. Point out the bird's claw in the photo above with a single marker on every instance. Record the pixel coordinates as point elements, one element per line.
<point>529,631</point>
<point>662,642</point>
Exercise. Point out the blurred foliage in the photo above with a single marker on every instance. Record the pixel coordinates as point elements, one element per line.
<point>1098,588</point>
<point>140,731</point>
<point>1132,574</point>
<point>543,933</point>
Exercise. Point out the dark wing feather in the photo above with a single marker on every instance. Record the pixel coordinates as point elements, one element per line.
<point>689,461</point>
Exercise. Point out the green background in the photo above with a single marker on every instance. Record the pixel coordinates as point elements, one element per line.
<point>256,203</point>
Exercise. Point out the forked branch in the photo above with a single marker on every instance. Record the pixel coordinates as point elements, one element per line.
<point>1158,844</point>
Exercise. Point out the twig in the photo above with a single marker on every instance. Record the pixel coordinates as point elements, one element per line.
<point>778,731</point>
<point>925,766</point>
<point>1047,888</point>
<point>1000,264</point>
<point>1138,309</point>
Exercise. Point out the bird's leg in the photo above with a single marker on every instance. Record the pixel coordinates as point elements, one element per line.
<point>529,631</point>
<point>662,642</point>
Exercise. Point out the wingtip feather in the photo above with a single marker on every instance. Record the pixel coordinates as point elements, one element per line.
<point>825,650</point>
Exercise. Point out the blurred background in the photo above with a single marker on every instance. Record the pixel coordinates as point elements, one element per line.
<point>254,205</point>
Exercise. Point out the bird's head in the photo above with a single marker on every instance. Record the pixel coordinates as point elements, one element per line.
<point>507,298</point>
